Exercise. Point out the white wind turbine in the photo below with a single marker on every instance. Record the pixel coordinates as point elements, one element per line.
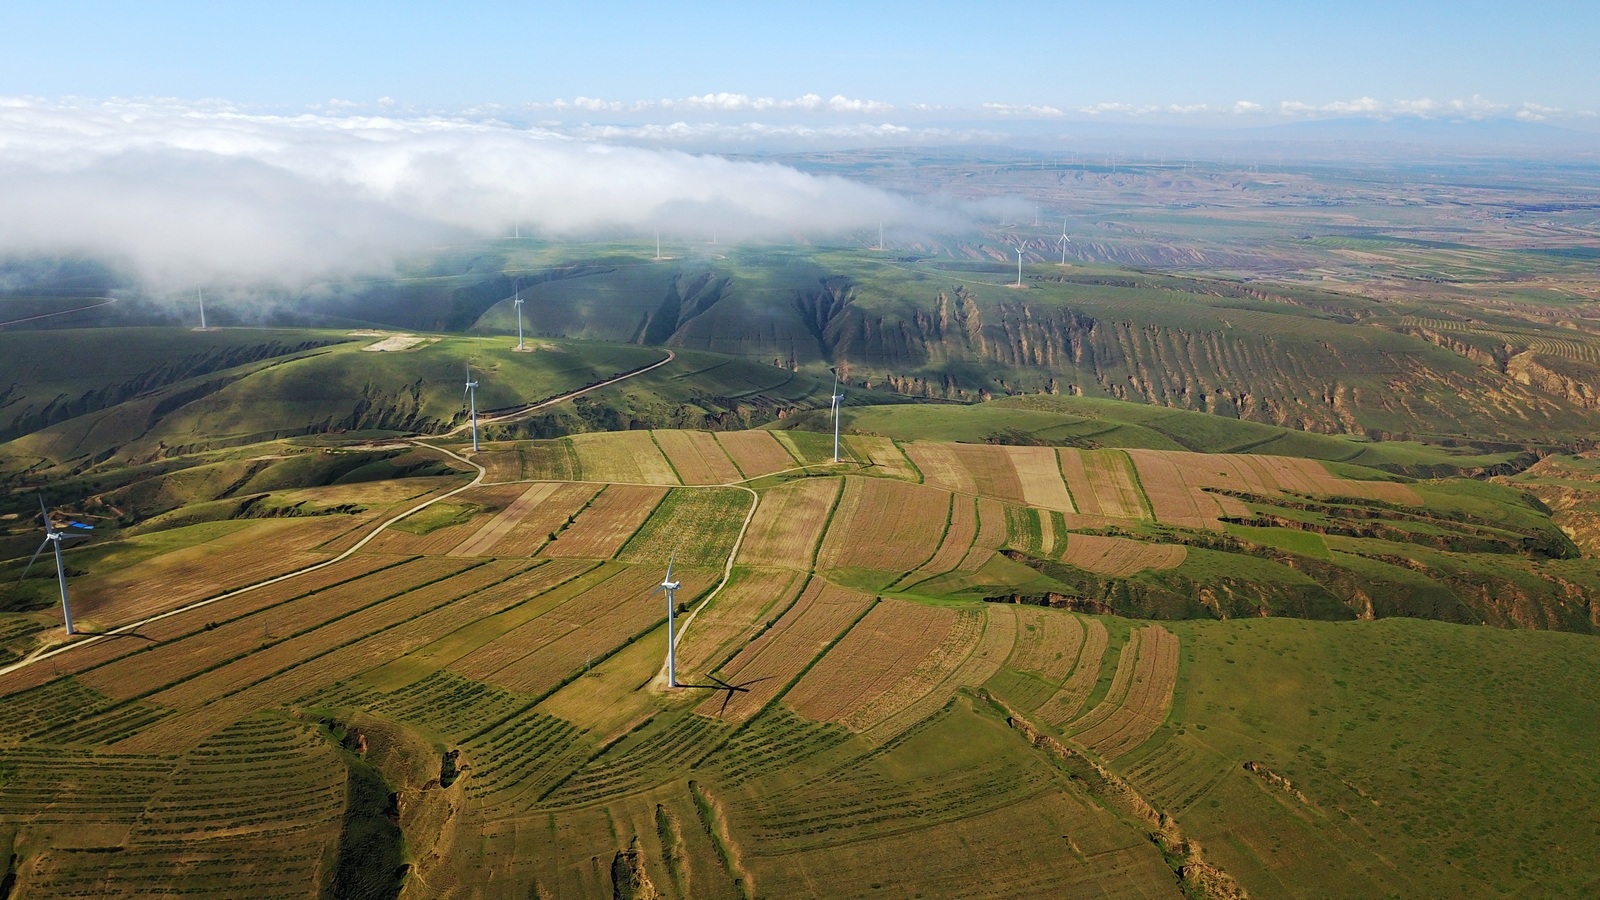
<point>1019,267</point>
<point>1064,241</point>
<point>471,396</point>
<point>880,235</point>
<point>518,304</point>
<point>200,295</point>
<point>838,404</point>
<point>658,245</point>
<point>57,538</point>
<point>670,588</point>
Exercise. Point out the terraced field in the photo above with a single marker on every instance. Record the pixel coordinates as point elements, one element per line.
<point>853,713</point>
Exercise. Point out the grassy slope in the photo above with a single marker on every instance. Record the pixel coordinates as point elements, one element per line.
<point>1437,759</point>
<point>1268,354</point>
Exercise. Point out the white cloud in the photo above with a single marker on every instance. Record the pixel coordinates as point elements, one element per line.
<point>183,192</point>
<point>731,103</point>
<point>1023,110</point>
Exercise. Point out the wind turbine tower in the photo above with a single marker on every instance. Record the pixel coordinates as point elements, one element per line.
<point>518,304</point>
<point>838,404</point>
<point>880,235</point>
<point>670,588</point>
<point>658,245</point>
<point>1064,241</point>
<point>57,538</point>
<point>1019,267</point>
<point>200,296</point>
<point>471,397</point>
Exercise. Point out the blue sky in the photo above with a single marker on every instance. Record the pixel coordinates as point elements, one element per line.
<point>1172,59</point>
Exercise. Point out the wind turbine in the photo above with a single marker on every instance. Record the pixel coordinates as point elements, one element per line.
<point>57,538</point>
<point>838,404</point>
<point>1019,266</point>
<point>518,304</point>
<point>658,245</point>
<point>200,295</point>
<point>1064,241</point>
<point>880,235</point>
<point>670,588</point>
<point>471,396</point>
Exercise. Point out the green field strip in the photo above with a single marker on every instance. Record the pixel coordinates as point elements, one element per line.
<point>1149,510</point>
<point>774,739</point>
<point>910,463</point>
<point>647,762</point>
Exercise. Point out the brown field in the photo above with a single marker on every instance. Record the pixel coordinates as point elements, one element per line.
<point>697,457</point>
<point>1047,643</point>
<point>1039,471</point>
<point>991,470</point>
<point>1173,499</point>
<point>629,457</point>
<point>788,524</point>
<point>883,454</point>
<point>957,542</point>
<point>330,655</point>
<point>1120,556</point>
<point>368,616</point>
<point>1117,693</point>
<point>884,648</point>
<point>480,543</point>
<point>1102,483</point>
<point>941,467</point>
<point>532,533</point>
<point>613,517</point>
<point>500,465</point>
<point>566,639</point>
<point>178,626</point>
<point>175,659</point>
<point>1059,709</point>
<point>554,460</point>
<point>884,525</point>
<point>991,534</point>
<point>770,662</point>
<point>590,613</point>
<point>733,617</point>
<point>254,553</point>
<point>1272,474</point>
<point>381,500</point>
<point>756,452</point>
<point>491,500</point>
<point>1149,698</point>
<point>971,660</point>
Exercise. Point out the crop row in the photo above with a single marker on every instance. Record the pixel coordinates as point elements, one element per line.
<point>788,524</point>
<point>768,664</point>
<point>890,643</point>
<point>1074,692</point>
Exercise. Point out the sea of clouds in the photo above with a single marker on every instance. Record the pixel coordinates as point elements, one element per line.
<point>180,193</point>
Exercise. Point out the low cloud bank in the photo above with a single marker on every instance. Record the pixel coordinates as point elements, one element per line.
<point>184,193</point>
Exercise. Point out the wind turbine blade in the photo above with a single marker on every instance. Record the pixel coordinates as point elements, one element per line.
<point>32,559</point>
<point>670,560</point>
<point>658,590</point>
